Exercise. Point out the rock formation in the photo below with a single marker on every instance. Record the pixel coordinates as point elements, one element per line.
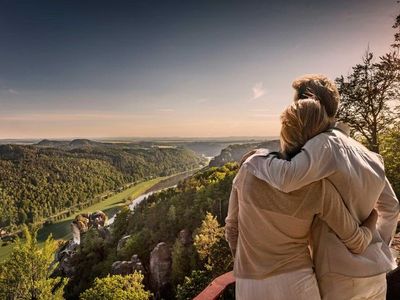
<point>79,226</point>
<point>160,270</point>
<point>83,222</point>
<point>122,242</point>
<point>65,259</point>
<point>127,267</point>
<point>236,151</point>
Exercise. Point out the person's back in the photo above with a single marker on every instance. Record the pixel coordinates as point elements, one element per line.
<point>359,178</point>
<point>358,174</point>
<point>274,227</point>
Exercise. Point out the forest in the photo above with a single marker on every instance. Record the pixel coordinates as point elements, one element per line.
<point>39,183</point>
<point>197,204</point>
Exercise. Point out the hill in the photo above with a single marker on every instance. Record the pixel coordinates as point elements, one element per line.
<point>56,178</point>
<point>233,153</point>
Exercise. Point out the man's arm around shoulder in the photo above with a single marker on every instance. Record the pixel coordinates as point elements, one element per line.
<point>315,161</point>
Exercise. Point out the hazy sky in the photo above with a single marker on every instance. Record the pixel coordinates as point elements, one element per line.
<point>172,68</point>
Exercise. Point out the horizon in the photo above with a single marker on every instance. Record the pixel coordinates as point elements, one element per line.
<point>172,70</point>
<point>141,139</point>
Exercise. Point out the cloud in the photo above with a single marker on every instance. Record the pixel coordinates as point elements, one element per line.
<point>8,91</point>
<point>13,92</point>
<point>258,90</point>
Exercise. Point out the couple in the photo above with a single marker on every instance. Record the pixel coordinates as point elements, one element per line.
<point>317,195</point>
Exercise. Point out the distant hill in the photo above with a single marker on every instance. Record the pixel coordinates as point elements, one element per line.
<point>234,153</point>
<point>77,143</point>
<point>52,143</point>
<point>38,181</point>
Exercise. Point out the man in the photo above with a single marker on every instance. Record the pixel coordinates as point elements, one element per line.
<point>358,174</point>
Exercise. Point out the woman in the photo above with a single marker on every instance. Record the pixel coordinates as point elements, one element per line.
<point>268,230</point>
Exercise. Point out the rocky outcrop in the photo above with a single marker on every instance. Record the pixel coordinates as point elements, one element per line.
<point>79,226</point>
<point>160,270</point>
<point>127,267</point>
<point>65,258</point>
<point>234,153</point>
<point>122,242</point>
<point>83,222</point>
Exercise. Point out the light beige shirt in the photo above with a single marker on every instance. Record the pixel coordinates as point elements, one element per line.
<point>359,176</point>
<point>268,230</point>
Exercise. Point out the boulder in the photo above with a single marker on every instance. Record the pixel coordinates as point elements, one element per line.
<point>127,267</point>
<point>122,268</point>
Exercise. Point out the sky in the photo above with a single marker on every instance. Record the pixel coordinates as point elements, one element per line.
<point>148,68</point>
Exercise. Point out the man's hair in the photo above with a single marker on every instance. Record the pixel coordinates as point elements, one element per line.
<point>318,87</point>
<point>301,121</point>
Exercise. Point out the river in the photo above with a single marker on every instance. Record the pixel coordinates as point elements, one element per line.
<point>135,202</point>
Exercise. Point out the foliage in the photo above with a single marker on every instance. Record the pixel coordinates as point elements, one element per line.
<point>184,260</point>
<point>26,273</point>
<point>193,285</point>
<point>117,287</point>
<point>367,95</point>
<point>390,149</point>
<point>208,235</point>
<point>214,251</point>
<point>37,182</point>
<point>92,260</point>
<point>396,25</point>
<point>159,218</point>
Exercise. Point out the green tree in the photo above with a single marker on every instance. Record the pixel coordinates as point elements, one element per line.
<point>184,260</point>
<point>26,273</point>
<point>390,149</point>
<point>208,235</point>
<point>117,287</point>
<point>214,251</point>
<point>368,95</point>
<point>193,285</point>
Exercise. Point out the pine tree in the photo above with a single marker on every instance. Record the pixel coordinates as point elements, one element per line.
<point>184,259</point>
<point>26,273</point>
<point>209,234</point>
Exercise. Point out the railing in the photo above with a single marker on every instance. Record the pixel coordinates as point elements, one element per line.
<point>216,287</point>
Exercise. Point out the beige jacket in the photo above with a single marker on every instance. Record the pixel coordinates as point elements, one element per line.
<point>268,230</point>
<point>359,176</point>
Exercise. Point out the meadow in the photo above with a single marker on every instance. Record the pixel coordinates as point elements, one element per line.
<point>60,230</point>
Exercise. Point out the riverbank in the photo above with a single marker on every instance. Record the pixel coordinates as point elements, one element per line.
<point>60,230</point>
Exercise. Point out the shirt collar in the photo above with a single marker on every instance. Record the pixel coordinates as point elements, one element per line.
<point>343,127</point>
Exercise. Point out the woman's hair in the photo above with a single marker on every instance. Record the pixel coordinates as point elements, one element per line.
<point>301,121</point>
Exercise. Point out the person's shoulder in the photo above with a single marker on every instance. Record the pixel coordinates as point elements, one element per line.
<point>320,141</point>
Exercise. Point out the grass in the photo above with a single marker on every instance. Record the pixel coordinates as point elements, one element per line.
<point>61,229</point>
